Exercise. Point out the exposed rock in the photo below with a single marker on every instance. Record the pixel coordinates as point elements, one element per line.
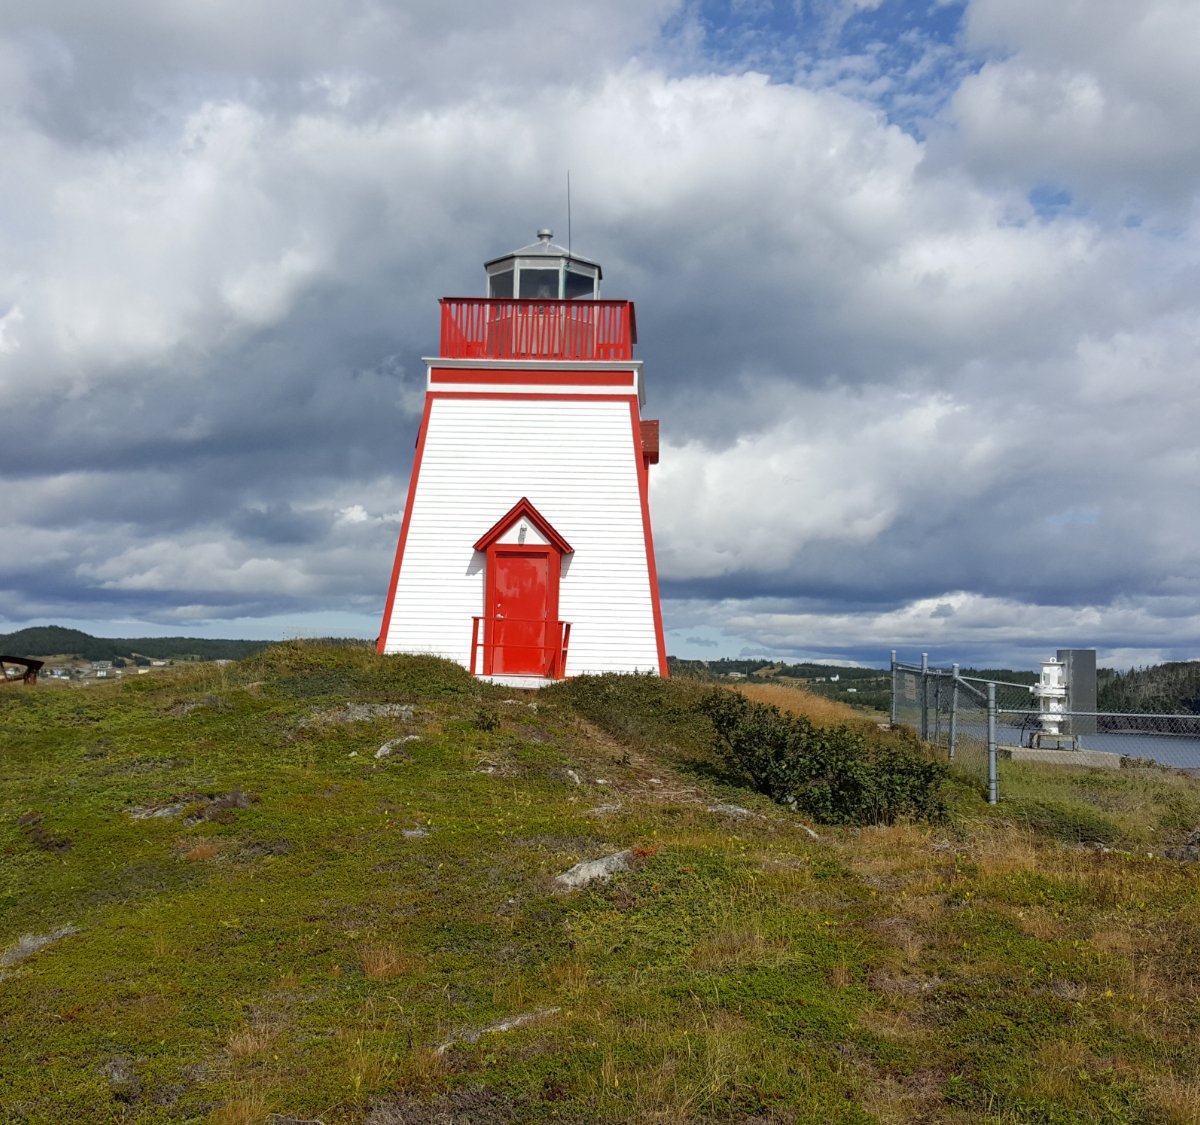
<point>574,776</point>
<point>1189,853</point>
<point>730,810</point>
<point>359,713</point>
<point>591,870</point>
<point>393,748</point>
<point>414,833</point>
<point>473,1036</point>
<point>199,806</point>
<point>29,944</point>
<point>603,810</point>
<point>153,812</point>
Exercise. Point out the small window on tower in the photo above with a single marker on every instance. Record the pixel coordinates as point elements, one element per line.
<point>501,284</point>
<point>539,285</point>
<point>580,287</point>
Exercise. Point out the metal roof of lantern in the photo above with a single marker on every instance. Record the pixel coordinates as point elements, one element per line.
<point>545,247</point>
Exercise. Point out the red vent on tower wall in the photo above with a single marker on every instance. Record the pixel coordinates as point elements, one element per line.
<point>650,440</point>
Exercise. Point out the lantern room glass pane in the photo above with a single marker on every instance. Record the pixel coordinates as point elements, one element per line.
<point>539,285</point>
<point>579,286</point>
<point>500,284</point>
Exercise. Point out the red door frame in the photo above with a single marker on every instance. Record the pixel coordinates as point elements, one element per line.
<point>552,637</point>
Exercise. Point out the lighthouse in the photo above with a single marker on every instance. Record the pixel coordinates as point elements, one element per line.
<point>525,549</point>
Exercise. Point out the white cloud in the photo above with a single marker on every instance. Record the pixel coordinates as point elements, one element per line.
<point>1097,98</point>
<point>888,382</point>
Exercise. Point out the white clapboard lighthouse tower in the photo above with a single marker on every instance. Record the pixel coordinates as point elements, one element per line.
<point>525,553</point>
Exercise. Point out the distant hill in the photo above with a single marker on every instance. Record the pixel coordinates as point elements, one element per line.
<point>54,640</point>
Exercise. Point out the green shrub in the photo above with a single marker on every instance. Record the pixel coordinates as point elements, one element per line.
<point>832,774</point>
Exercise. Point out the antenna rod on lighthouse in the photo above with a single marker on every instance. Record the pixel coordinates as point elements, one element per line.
<point>568,212</point>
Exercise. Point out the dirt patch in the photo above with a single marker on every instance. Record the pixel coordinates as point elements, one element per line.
<point>195,807</point>
<point>40,837</point>
<point>462,1107</point>
<point>122,1079</point>
<point>182,710</point>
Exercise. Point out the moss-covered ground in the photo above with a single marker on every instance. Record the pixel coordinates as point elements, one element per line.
<point>308,931</point>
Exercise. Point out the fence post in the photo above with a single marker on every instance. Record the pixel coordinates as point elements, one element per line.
<point>954,714</point>
<point>893,687</point>
<point>924,697</point>
<point>993,773</point>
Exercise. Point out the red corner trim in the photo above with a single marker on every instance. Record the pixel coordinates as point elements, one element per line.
<point>643,473</point>
<point>523,508</point>
<point>408,510</point>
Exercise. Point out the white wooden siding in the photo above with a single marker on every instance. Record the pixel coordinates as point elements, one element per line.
<point>577,463</point>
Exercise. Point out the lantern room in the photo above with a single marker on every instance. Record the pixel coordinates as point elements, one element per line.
<point>543,271</point>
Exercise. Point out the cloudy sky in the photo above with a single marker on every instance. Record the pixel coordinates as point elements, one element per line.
<point>917,289</point>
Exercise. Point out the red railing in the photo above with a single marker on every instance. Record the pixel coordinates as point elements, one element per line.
<point>491,328</point>
<point>502,656</point>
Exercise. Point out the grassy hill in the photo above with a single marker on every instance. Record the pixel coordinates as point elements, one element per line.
<point>217,903</point>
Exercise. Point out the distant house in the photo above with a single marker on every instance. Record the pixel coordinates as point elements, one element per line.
<point>102,669</point>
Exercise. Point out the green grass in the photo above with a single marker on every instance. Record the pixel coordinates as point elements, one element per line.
<point>298,953</point>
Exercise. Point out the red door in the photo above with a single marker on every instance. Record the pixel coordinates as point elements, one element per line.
<point>521,610</point>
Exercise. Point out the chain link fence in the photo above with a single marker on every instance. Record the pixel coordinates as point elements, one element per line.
<point>989,727</point>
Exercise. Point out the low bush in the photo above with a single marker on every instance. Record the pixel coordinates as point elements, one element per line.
<point>645,712</point>
<point>1073,823</point>
<point>833,774</point>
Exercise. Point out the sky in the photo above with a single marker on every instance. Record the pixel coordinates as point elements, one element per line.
<point>916,287</point>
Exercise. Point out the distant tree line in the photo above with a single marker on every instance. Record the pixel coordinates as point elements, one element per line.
<point>1172,688</point>
<point>54,640</point>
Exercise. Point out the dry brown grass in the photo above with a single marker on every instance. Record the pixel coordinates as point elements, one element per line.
<point>1115,937</point>
<point>251,1109</point>
<point>419,1069</point>
<point>1056,1068</point>
<point>206,849</point>
<point>737,944</point>
<point>816,708</point>
<point>382,960</point>
<point>1176,1099</point>
<point>246,1042</point>
<point>1038,922</point>
<point>572,975</point>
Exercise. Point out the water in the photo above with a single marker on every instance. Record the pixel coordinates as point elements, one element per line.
<point>1180,751</point>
